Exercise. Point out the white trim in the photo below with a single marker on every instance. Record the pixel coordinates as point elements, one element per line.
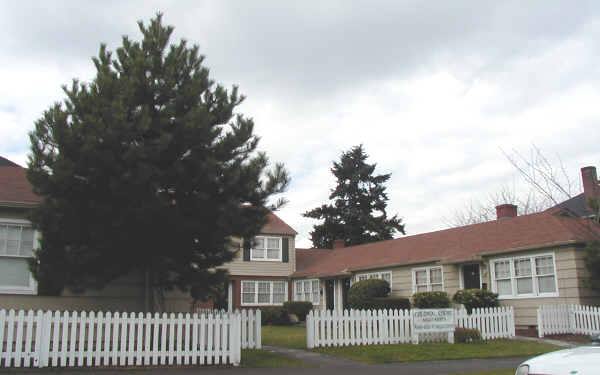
<point>513,277</point>
<point>428,272</point>
<point>265,259</point>
<point>312,292</point>
<point>378,275</point>
<point>230,296</point>
<point>32,288</point>
<point>256,303</point>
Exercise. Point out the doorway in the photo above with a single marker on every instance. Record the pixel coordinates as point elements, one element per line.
<point>329,297</point>
<point>471,276</point>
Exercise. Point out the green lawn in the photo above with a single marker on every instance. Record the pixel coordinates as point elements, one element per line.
<point>438,351</point>
<point>264,358</point>
<point>288,337</point>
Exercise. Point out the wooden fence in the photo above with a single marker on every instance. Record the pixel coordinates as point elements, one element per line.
<point>68,339</point>
<point>366,327</point>
<point>568,319</point>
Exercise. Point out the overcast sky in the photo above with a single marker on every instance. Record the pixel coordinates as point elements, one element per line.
<point>433,90</point>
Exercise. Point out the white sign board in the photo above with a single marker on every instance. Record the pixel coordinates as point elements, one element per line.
<point>432,321</point>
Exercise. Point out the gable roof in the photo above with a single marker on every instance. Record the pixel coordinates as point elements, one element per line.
<point>275,225</point>
<point>15,189</point>
<point>461,244</point>
<point>575,205</point>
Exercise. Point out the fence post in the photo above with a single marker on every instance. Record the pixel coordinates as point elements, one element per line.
<point>540,322</point>
<point>236,339</point>
<point>258,325</point>
<point>309,330</point>
<point>572,325</point>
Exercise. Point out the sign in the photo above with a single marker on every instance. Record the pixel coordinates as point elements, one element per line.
<point>432,321</point>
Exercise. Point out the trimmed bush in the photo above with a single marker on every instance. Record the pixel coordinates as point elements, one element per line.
<point>362,292</point>
<point>388,303</point>
<point>298,308</point>
<point>430,300</point>
<point>476,298</point>
<point>466,335</point>
<point>276,315</point>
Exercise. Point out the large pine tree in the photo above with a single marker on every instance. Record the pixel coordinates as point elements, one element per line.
<point>146,168</point>
<point>358,211</point>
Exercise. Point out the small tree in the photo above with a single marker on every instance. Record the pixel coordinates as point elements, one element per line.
<point>358,211</point>
<point>146,168</point>
<point>592,263</point>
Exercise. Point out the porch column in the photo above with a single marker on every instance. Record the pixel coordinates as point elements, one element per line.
<point>230,296</point>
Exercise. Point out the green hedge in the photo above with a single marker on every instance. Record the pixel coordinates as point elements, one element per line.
<point>430,300</point>
<point>275,315</point>
<point>476,298</point>
<point>298,308</point>
<point>466,335</point>
<point>361,293</point>
<point>388,303</point>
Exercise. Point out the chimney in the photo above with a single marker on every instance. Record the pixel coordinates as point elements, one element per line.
<point>590,184</point>
<point>505,211</point>
<point>337,244</point>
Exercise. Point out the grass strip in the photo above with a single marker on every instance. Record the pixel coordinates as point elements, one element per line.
<point>504,371</point>
<point>284,336</point>
<point>264,358</point>
<point>438,351</point>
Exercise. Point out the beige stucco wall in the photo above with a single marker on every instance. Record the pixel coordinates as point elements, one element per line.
<point>239,267</point>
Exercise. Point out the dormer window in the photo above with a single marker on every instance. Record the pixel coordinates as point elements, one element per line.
<point>266,249</point>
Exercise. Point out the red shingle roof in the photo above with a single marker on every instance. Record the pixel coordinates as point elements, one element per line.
<point>453,245</point>
<point>15,188</point>
<point>275,225</point>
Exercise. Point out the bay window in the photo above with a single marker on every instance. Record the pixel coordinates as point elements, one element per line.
<point>524,277</point>
<point>264,292</point>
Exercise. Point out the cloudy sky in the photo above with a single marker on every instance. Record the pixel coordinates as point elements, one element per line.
<point>433,90</point>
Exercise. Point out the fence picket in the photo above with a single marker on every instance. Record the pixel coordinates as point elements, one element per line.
<point>574,319</point>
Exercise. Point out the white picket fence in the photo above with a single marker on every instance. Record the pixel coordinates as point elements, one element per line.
<point>568,319</point>
<point>68,339</point>
<point>366,327</point>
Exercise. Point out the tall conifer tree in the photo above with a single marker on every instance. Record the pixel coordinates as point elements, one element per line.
<point>146,168</point>
<point>358,211</point>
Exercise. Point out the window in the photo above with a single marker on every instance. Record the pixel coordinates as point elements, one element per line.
<point>524,277</point>
<point>307,290</point>
<point>266,248</point>
<point>428,279</point>
<point>261,292</point>
<point>16,245</point>
<point>384,275</point>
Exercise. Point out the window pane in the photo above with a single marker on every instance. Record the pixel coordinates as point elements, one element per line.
<point>307,286</point>
<point>264,292</point>
<point>315,296</point>
<point>525,285</point>
<point>502,269</point>
<point>273,254</point>
<point>544,265</point>
<point>504,287</point>
<point>298,286</point>
<point>522,267</point>
<point>278,286</point>
<point>258,254</point>
<point>248,286</point>
<point>273,243</point>
<point>546,284</point>
<point>259,243</point>
<point>27,242</point>
<point>421,288</point>
<point>421,277</point>
<point>248,298</point>
<point>12,242</point>
<point>14,273</point>
<point>436,287</point>
<point>315,285</point>
<point>387,276</point>
<point>2,239</point>
<point>362,277</point>
<point>436,275</point>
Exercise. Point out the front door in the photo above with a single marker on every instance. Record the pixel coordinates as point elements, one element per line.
<point>471,279</point>
<point>329,304</point>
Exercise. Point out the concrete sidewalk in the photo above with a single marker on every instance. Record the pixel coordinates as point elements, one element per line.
<point>564,344</point>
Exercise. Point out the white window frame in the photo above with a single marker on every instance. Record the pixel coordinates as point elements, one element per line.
<point>265,259</point>
<point>270,303</point>
<point>371,275</point>
<point>32,288</point>
<point>429,284</point>
<point>312,291</point>
<point>534,276</point>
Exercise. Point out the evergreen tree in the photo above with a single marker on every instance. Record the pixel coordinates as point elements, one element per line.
<point>357,214</point>
<point>146,168</point>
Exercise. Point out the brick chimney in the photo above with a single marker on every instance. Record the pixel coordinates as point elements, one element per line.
<point>337,244</point>
<point>591,189</point>
<point>505,211</point>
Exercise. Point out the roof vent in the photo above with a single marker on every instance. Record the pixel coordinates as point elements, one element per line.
<point>506,211</point>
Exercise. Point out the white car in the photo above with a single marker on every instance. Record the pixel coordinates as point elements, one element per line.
<point>582,360</point>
